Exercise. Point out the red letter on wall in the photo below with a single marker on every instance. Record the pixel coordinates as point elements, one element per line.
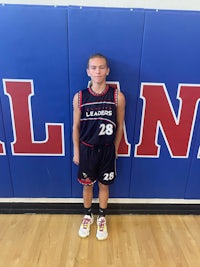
<point>2,149</point>
<point>124,147</point>
<point>19,93</point>
<point>158,114</point>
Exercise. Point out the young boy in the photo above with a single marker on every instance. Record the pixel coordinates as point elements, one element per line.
<point>97,131</point>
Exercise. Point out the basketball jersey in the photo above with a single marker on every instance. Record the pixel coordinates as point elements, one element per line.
<point>98,116</point>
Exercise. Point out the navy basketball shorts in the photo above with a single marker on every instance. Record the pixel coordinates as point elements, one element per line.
<point>97,163</point>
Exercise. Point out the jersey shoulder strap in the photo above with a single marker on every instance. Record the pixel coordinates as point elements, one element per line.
<point>115,94</point>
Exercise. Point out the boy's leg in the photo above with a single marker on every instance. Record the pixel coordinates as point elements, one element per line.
<point>88,219</point>
<point>102,232</point>
<point>107,174</point>
<point>87,199</point>
<point>87,196</point>
<point>103,195</point>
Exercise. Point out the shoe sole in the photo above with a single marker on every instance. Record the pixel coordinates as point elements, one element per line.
<point>101,238</point>
<point>83,236</point>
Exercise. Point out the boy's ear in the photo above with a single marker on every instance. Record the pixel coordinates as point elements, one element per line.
<point>87,70</point>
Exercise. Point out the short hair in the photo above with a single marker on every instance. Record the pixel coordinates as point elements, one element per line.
<point>99,55</point>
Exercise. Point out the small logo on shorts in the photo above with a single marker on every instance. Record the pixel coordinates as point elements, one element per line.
<point>84,175</point>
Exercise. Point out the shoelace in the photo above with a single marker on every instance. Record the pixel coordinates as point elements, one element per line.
<point>101,224</point>
<point>86,222</point>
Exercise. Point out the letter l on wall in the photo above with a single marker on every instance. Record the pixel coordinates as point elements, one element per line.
<point>19,93</point>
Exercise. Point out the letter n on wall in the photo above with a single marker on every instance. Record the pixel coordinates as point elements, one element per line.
<point>158,115</point>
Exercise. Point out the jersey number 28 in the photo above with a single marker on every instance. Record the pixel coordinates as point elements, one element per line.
<point>106,129</point>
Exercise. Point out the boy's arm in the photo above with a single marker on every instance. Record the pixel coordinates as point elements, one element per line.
<point>120,119</point>
<point>76,129</point>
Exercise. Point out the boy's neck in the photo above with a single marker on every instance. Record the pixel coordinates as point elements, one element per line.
<point>98,88</point>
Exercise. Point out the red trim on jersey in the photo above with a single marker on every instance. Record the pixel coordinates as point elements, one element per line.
<point>86,181</point>
<point>103,119</point>
<point>116,96</point>
<point>86,144</point>
<point>102,93</point>
<point>80,99</point>
<point>98,102</point>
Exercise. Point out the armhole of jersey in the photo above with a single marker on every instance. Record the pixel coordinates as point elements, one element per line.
<point>116,96</point>
<point>80,99</point>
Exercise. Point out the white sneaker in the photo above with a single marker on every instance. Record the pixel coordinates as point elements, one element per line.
<point>84,229</point>
<point>102,232</point>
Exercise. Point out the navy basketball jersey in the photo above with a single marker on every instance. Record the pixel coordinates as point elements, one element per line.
<point>98,116</point>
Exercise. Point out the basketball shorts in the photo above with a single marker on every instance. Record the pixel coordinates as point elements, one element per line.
<point>97,163</point>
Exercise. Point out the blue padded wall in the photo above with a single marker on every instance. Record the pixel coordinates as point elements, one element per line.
<point>43,55</point>
<point>169,56</point>
<point>101,30</point>
<point>34,47</point>
<point>5,175</point>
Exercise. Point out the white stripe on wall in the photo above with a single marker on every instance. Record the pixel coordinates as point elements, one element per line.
<point>152,4</point>
<point>111,200</point>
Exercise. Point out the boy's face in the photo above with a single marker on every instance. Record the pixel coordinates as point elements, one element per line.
<point>97,70</point>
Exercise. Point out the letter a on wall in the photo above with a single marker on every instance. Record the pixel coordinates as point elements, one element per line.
<point>124,147</point>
